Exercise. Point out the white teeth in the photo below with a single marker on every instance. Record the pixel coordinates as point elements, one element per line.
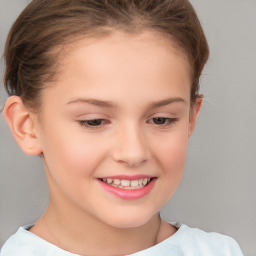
<point>134,183</point>
<point>145,181</point>
<point>127,184</point>
<point>117,182</point>
<point>109,181</point>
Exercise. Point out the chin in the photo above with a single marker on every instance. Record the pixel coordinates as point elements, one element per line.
<point>130,220</point>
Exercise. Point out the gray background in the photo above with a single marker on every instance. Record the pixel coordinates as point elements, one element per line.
<point>218,192</point>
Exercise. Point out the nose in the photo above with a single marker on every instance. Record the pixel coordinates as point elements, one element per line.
<point>131,147</point>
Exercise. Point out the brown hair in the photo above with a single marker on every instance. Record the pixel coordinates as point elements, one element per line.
<point>29,53</point>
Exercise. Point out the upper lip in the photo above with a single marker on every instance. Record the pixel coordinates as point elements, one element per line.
<point>127,177</point>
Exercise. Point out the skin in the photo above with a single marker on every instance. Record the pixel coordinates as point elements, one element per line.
<point>133,74</point>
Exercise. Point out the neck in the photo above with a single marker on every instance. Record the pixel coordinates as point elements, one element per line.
<point>79,233</point>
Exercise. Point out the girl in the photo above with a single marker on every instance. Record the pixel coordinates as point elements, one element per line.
<point>107,93</point>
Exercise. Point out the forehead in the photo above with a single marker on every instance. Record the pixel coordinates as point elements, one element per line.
<point>121,62</point>
<point>147,42</point>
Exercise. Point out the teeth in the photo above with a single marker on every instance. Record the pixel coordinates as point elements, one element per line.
<point>117,182</point>
<point>109,181</point>
<point>134,183</point>
<point>127,184</point>
<point>145,181</point>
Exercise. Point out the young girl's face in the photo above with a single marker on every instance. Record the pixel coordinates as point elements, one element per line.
<point>114,127</point>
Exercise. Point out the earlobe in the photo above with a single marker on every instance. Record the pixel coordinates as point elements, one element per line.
<point>22,126</point>
<point>194,111</point>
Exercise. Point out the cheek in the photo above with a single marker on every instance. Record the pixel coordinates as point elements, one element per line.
<point>172,154</point>
<point>71,155</point>
<point>78,158</point>
<point>70,166</point>
<point>173,150</point>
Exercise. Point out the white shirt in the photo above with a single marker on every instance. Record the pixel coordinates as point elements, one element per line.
<point>185,242</point>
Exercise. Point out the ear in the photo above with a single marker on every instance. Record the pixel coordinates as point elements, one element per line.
<point>22,125</point>
<point>194,111</point>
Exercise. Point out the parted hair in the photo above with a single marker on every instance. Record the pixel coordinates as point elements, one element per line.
<point>36,39</point>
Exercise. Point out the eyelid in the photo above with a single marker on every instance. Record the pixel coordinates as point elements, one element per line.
<point>164,115</point>
<point>91,116</point>
<point>170,121</point>
<point>84,123</point>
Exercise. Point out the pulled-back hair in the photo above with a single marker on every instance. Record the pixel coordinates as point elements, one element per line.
<point>30,52</point>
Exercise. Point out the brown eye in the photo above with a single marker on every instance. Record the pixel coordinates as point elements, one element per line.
<point>92,123</point>
<point>163,122</point>
<point>160,120</point>
<point>95,122</point>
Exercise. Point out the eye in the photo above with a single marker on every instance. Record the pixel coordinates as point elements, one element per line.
<point>162,121</point>
<point>93,123</point>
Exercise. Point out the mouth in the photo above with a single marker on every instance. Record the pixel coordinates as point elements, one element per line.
<point>126,183</point>
<point>128,188</point>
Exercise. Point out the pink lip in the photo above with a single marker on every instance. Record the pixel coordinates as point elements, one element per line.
<point>126,177</point>
<point>127,193</point>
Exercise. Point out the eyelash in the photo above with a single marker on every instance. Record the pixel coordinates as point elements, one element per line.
<point>167,121</point>
<point>102,122</point>
<point>84,123</point>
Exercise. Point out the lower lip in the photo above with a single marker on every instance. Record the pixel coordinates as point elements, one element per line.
<point>129,194</point>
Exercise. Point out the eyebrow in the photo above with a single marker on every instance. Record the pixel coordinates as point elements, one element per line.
<point>110,104</point>
<point>166,102</point>
<point>95,102</point>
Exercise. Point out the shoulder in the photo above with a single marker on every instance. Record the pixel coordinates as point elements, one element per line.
<point>209,243</point>
<point>14,245</point>
<point>24,243</point>
<point>189,241</point>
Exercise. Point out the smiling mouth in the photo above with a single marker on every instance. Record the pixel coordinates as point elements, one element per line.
<point>127,184</point>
